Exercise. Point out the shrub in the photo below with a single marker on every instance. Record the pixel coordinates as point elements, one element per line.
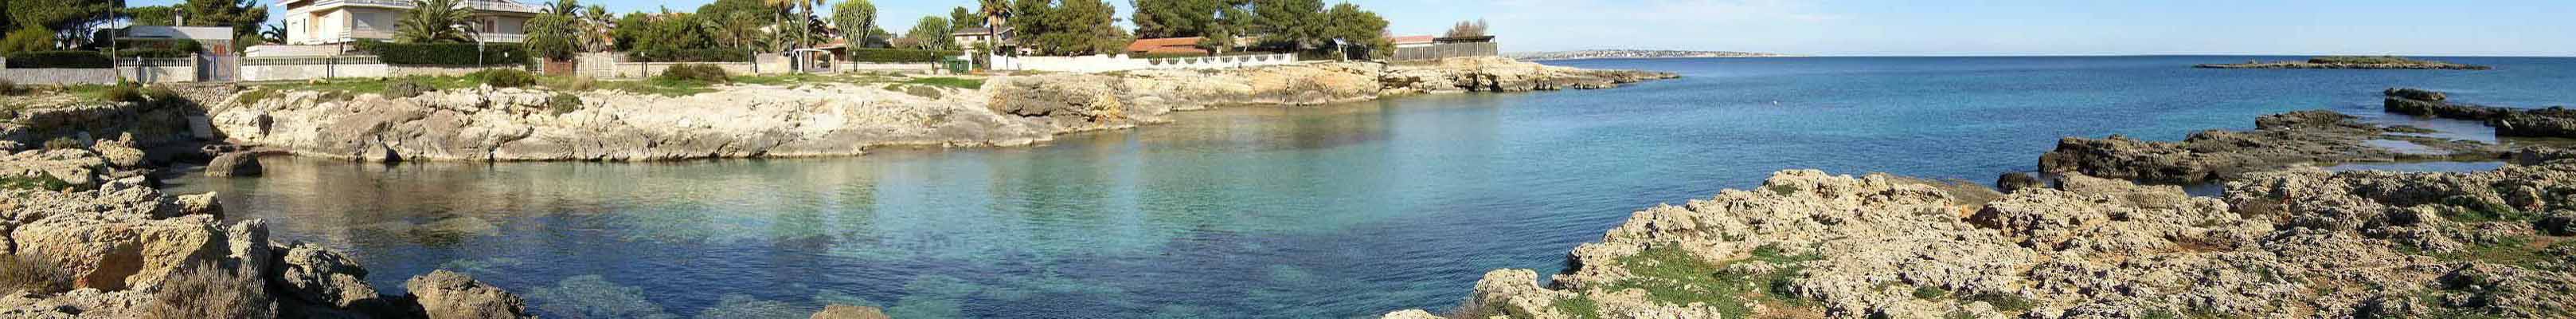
<point>58,59</point>
<point>33,274</point>
<point>563,103</point>
<point>505,78</point>
<point>254,96</point>
<point>447,53</point>
<point>64,143</point>
<point>209,291</point>
<point>8,87</point>
<point>707,73</point>
<point>407,87</point>
<point>127,92</point>
<point>900,55</point>
<point>690,55</point>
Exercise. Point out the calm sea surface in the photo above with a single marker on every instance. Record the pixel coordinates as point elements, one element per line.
<point>1282,212</point>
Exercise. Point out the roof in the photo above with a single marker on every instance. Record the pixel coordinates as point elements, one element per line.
<point>169,32</point>
<point>1166,45</point>
<point>1412,39</point>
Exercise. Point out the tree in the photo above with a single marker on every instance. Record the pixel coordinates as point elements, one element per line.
<point>739,23</point>
<point>70,20</point>
<point>273,33</point>
<point>1175,18</point>
<point>32,38</point>
<point>1358,28</point>
<point>930,34</point>
<point>555,35</point>
<point>152,15</point>
<point>857,18</point>
<point>1071,27</point>
<point>960,18</point>
<point>243,15</point>
<point>804,20</point>
<point>1294,24</point>
<point>432,21</point>
<point>595,29</point>
<point>1467,29</point>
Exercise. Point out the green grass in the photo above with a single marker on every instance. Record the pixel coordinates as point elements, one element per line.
<point>37,182</point>
<point>1578,306</point>
<point>969,84</point>
<point>1671,275</point>
<point>2473,209</point>
<point>2005,302</point>
<point>1929,292</point>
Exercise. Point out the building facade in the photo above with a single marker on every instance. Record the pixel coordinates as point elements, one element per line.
<point>314,22</point>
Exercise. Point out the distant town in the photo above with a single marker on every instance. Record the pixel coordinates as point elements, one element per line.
<point>1633,54</point>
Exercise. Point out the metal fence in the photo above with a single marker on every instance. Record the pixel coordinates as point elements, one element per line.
<point>1447,50</point>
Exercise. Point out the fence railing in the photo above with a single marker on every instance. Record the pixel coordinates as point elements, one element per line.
<point>1446,50</point>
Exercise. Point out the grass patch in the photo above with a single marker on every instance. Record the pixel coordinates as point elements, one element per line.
<point>27,272</point>
<point>1671,275</point>
<point>2518,251</point>
<point>36,182</point>
<point>969,84</point>
<point>1929,292</point>
<point>1579,307</point>
<point>2475,209</point>
<point>662,87</point>
<point>208,291</point>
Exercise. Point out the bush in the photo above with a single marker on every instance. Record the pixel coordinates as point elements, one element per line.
<point>407,87</point>
<point>8,87</point>
<point>691,55</point>
<point>58,59</point>
<point>707,73</point>
<point>33,274</point>
<point>900,55</point>
<point>446,53</point>
<point>505,78</point>
<point>254,96</point>
<point>123,92</point>
<point>208,291</point>
<point>563,103</point>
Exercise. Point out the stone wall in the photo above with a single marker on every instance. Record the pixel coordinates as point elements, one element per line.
<point>59,76</point>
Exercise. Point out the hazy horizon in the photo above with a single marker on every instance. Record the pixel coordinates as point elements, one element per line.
<point>1912,28</point>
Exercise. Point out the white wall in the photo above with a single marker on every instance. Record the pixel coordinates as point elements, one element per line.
<point>59,76</point>
<point>1109,63</point>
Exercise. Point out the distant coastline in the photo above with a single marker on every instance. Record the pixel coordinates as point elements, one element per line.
<point>2350,62</point>
<point>1633,54</point>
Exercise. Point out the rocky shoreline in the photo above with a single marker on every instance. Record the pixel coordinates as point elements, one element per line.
<point>2352,63</point>
<point>2283,239</point>
<point>741,121</point>
<point>2555,121</point>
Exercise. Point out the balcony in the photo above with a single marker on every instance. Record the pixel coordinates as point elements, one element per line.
<point>482,5</point>
<point>354,35</point>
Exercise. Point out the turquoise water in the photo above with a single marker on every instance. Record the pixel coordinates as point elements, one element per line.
<point>1304,212</point>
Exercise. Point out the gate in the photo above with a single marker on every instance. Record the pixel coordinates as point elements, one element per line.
<point>218,68</point>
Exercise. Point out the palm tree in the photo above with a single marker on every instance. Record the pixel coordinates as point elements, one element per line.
<point>273,33</point>
<point>435,21</point>
<point>997,16</point>
<point>596,37</point>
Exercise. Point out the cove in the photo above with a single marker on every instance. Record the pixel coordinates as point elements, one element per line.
<point>1327,211</point>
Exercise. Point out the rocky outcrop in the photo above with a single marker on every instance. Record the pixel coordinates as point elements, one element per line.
<point>2316,64</point>
<point>120,243</point>
<point>831,119</point>
<point>2302,243</point>
<point>2556,121</point>
<point>449,295</point>
<point>235,164</point>
<point>2278,140</point>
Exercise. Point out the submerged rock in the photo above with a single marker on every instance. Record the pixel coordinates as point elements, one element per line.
<point>2277,141</point>
<point>2302,243</point>
<point>838,311</point>
<point>449,295</point>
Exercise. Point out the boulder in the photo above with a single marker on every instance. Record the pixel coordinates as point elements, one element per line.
<point>838,311</point>
<point>119,254</point>
<point>321,276</point>
<point>2015,181</point>
<point>449,295</point>
<point>234,164</point>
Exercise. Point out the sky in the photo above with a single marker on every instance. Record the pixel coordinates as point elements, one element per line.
<point>1957,27</point>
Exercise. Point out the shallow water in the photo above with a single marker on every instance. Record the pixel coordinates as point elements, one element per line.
<point>1331,211</point>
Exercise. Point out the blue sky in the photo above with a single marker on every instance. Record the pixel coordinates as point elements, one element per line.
<point>1961,27</point>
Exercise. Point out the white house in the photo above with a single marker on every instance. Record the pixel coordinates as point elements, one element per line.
<point>311,22</point>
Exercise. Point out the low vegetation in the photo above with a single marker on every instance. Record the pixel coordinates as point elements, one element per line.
<point>34,182</point>
<point>209,291</point>
<point>562,103</point>
<point>1671,275</point>
<point>30,273</point>
<point>701,73</point>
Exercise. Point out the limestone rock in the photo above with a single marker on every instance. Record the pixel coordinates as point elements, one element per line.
<point>241,164</point>
<point>2278,140</point>
<point>450,295</point>
<point>1409,314</point>
<point>321,276</point>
